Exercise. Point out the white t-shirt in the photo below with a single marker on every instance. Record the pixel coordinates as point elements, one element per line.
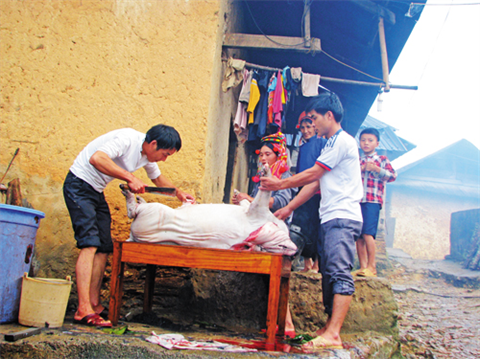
<point>341,186</point>
<point>124,147</point>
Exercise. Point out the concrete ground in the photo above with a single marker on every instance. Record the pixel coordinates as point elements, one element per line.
<point>77,341</point>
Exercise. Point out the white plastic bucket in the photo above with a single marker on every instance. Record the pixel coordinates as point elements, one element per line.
<point>43,302</point>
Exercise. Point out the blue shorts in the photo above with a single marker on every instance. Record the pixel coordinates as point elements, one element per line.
<point>336,250</point>
<point>89,214</point>
<point>370,214</point>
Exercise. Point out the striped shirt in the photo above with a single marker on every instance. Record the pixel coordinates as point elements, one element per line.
<point>374,182</point>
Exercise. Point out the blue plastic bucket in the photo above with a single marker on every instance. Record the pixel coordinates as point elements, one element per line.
<point>18,230</point>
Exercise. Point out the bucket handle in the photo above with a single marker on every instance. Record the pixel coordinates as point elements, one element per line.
<point>28,254</point>
<point>68,278</point>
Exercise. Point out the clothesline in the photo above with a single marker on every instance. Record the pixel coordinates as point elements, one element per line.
<point>332,79</point>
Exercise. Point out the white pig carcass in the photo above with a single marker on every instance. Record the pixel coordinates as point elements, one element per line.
<point>225,226</point>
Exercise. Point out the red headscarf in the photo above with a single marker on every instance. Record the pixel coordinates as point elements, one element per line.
<point>279,142</point>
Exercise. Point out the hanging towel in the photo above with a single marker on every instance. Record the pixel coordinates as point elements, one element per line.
<point>233,74</point>
<point>296,73</point>
<point>240,122</point>
<point>310,85</point>
<point>247,81</point>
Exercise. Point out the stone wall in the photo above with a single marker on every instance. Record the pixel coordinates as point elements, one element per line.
<point>73,70</point>
<point>422,221</point>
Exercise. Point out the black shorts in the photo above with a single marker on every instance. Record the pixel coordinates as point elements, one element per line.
<point>370,214</point>
<point>89,214</point>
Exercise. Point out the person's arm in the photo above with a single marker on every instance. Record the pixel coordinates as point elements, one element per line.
<point>300,179</point>
<point>390,173</point>
<point>103,163</point>
<point>387,173</point>
<point>303,196</point>
<point>162,181</point>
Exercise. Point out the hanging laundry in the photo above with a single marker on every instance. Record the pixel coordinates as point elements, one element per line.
<point>278,101</point>
<point>253,100</point>
<point>240,122</point>
<point>271,92</point>
<point>233,73</point>
<point>245,92</point>
<point>263,77</point>
<point>310,85</point>
<point>296,73</point>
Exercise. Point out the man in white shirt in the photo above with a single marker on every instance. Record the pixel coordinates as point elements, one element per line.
<point>116,154</point>
<point>337,174</point>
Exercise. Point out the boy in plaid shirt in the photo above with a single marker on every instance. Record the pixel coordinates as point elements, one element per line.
<point>376,171</point>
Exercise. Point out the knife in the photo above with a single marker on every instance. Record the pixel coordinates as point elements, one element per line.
<point>164,191</point>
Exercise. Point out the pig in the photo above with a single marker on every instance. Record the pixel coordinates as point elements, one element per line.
<point>248,226</point>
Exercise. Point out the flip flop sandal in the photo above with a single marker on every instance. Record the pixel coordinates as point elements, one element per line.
<point>93,320</point>
<point>104,313</point>
<point>366,273</point>
<point>358,271</point>
<point>321,343</point>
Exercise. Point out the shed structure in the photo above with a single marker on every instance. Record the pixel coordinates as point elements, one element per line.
<point>426,193</point>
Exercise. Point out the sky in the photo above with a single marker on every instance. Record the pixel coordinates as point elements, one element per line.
<point>442,58</point>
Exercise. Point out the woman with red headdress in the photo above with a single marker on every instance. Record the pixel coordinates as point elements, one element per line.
<point>274,154</point>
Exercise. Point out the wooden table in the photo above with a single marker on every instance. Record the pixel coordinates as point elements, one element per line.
<point>273,264</point>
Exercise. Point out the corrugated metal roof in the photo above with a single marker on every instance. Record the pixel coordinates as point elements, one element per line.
<point>453,170</point>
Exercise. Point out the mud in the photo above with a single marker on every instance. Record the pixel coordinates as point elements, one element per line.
<point>438,309</point>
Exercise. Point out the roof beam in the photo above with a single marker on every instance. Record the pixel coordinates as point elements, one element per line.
<point>373,8</point>
<point>269,42</point>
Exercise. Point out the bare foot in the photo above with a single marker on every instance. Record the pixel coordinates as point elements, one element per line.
<point>308,264</point>
<point>322,342</point>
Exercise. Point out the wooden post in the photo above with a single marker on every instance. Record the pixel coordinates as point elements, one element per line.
<point>383,53</point>
<point>306,25</point>
<point>116,284</point>
<point>149,288</point>
<point>14,194</point>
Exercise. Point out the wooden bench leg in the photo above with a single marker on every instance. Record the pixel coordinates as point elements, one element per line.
<point>149,288</point>
<point>273,299</point>
<point>283,304</point>
<point>116,284</point>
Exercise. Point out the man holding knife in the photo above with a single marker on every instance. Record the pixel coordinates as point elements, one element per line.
<point>116,154</point>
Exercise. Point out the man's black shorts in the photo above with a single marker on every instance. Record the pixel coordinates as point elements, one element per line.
<point>89,214</point>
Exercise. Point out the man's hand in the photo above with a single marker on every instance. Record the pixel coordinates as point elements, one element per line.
<point>283,213</point>
<point>136,185</point>
<point>185,197</point>
<point>270,183</point>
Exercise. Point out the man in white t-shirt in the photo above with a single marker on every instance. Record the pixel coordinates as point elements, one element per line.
<point>116,154</point>
<point>337,174</point>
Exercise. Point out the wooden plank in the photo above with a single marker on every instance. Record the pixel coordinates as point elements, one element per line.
<point>11,337</point>
<point>116,284</point>
<point>306,24</point>
<point>149,288</point>
<point>373,8</point>
<point>383,54</point>
<point>271,42</point>
<point>194,257</point>
<point>273,299</point>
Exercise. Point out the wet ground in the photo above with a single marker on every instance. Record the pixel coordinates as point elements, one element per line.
<point>439,317</point>
<point>439,308</point>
